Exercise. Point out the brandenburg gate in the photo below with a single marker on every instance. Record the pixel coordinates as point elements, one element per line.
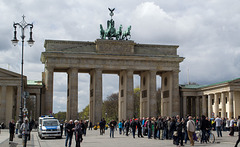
<point>122,57</point>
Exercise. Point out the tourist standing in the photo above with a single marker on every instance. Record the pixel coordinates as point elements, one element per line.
<point>133,126</point>
<point>101,125</point>
<point>231,127</point>
<point>69,131</point>
<point>17,126</point>
<point>238,124</point>
<point>78,133</point>
<point>61,128</point>
<point>25,131</point>
<point>120,127</point>
<point>227,124</point>
<point>149,127</point>
<point>11,130</point>
<point>179,128</point>
<point>65,130</point>
<point>90,125</point>
<point>190,129</point>
<point>185,130</point>
<point>112,126</point>
<point>218,121</point>
<point>139,127</point>
<point>203,128</point>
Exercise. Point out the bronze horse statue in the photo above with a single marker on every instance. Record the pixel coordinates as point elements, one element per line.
<point>126,35</point>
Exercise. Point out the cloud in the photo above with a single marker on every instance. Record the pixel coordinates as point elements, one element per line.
<point>206,31</point>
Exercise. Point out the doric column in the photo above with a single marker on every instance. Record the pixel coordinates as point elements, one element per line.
<point>223,99</point>
<point>216,104</point>
<point>198,106</point>
<point>174,94</point>
<point>152,94</point>
<point>210,96</point>
<point>96,96</point>
<point>48,101</point>
<point>204,105</point>
<point>230,105</point>
<point>72,112</point>
<point>126,100</point>
<point>3,104</point>
<point>184,106</point>
<point>129,94</point>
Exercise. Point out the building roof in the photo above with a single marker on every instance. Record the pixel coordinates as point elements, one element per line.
<point>196,86</point>
<point>32,82</point>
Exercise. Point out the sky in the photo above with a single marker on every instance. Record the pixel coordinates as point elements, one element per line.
<point>207,33</point>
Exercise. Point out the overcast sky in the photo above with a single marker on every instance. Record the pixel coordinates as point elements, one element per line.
<point>207,33</point>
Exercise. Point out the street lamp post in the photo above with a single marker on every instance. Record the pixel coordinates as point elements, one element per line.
<point>22,25</point>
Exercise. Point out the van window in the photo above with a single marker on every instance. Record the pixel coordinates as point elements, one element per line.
<point>50,123</point>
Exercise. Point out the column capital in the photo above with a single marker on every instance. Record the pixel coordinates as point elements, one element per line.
<point>49,68</point>
<point>74,69</point>
<point>98,69</point>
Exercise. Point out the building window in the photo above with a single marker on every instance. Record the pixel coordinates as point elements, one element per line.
<point>165,81</point>
<point>226,101</point>
<point>144,93</point>
<point>219,100</point>
<point>122,80</point>
<point>144,81</point>
<point>122,93</point>
<point>212,101</point>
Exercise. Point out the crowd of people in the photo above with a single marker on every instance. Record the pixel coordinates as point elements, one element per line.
<point>25,129</point>
<point>180,130</point>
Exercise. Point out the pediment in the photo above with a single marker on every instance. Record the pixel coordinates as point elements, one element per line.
<point>8,74</point>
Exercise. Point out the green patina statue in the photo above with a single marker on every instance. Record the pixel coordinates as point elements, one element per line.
<point>111,33</point>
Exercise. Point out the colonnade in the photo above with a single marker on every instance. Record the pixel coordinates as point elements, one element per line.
<point>148,100</point>
<point>220,104</point>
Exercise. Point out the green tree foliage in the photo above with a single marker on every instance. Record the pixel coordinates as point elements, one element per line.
<point>84,115</point>
<point>61,116</point>
<point>136,97</point>
<point>110,107</point>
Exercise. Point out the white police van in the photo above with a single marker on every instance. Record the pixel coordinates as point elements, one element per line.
<point>48,127</point>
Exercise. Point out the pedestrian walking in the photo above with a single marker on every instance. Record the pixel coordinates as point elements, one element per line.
<point>238,124</point>
<point>127,125</point>
<point>219,122</point>
<point>69,131</point>
<point>25,132</point>
<point>191,129</point>
<point>11,130</point>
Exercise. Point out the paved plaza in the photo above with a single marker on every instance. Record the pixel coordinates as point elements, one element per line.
<point>93,139</point>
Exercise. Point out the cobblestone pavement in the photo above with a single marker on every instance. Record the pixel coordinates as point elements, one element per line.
<point>93,139</point>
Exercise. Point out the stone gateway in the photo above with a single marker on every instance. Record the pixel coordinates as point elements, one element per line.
<point>122,57</point>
